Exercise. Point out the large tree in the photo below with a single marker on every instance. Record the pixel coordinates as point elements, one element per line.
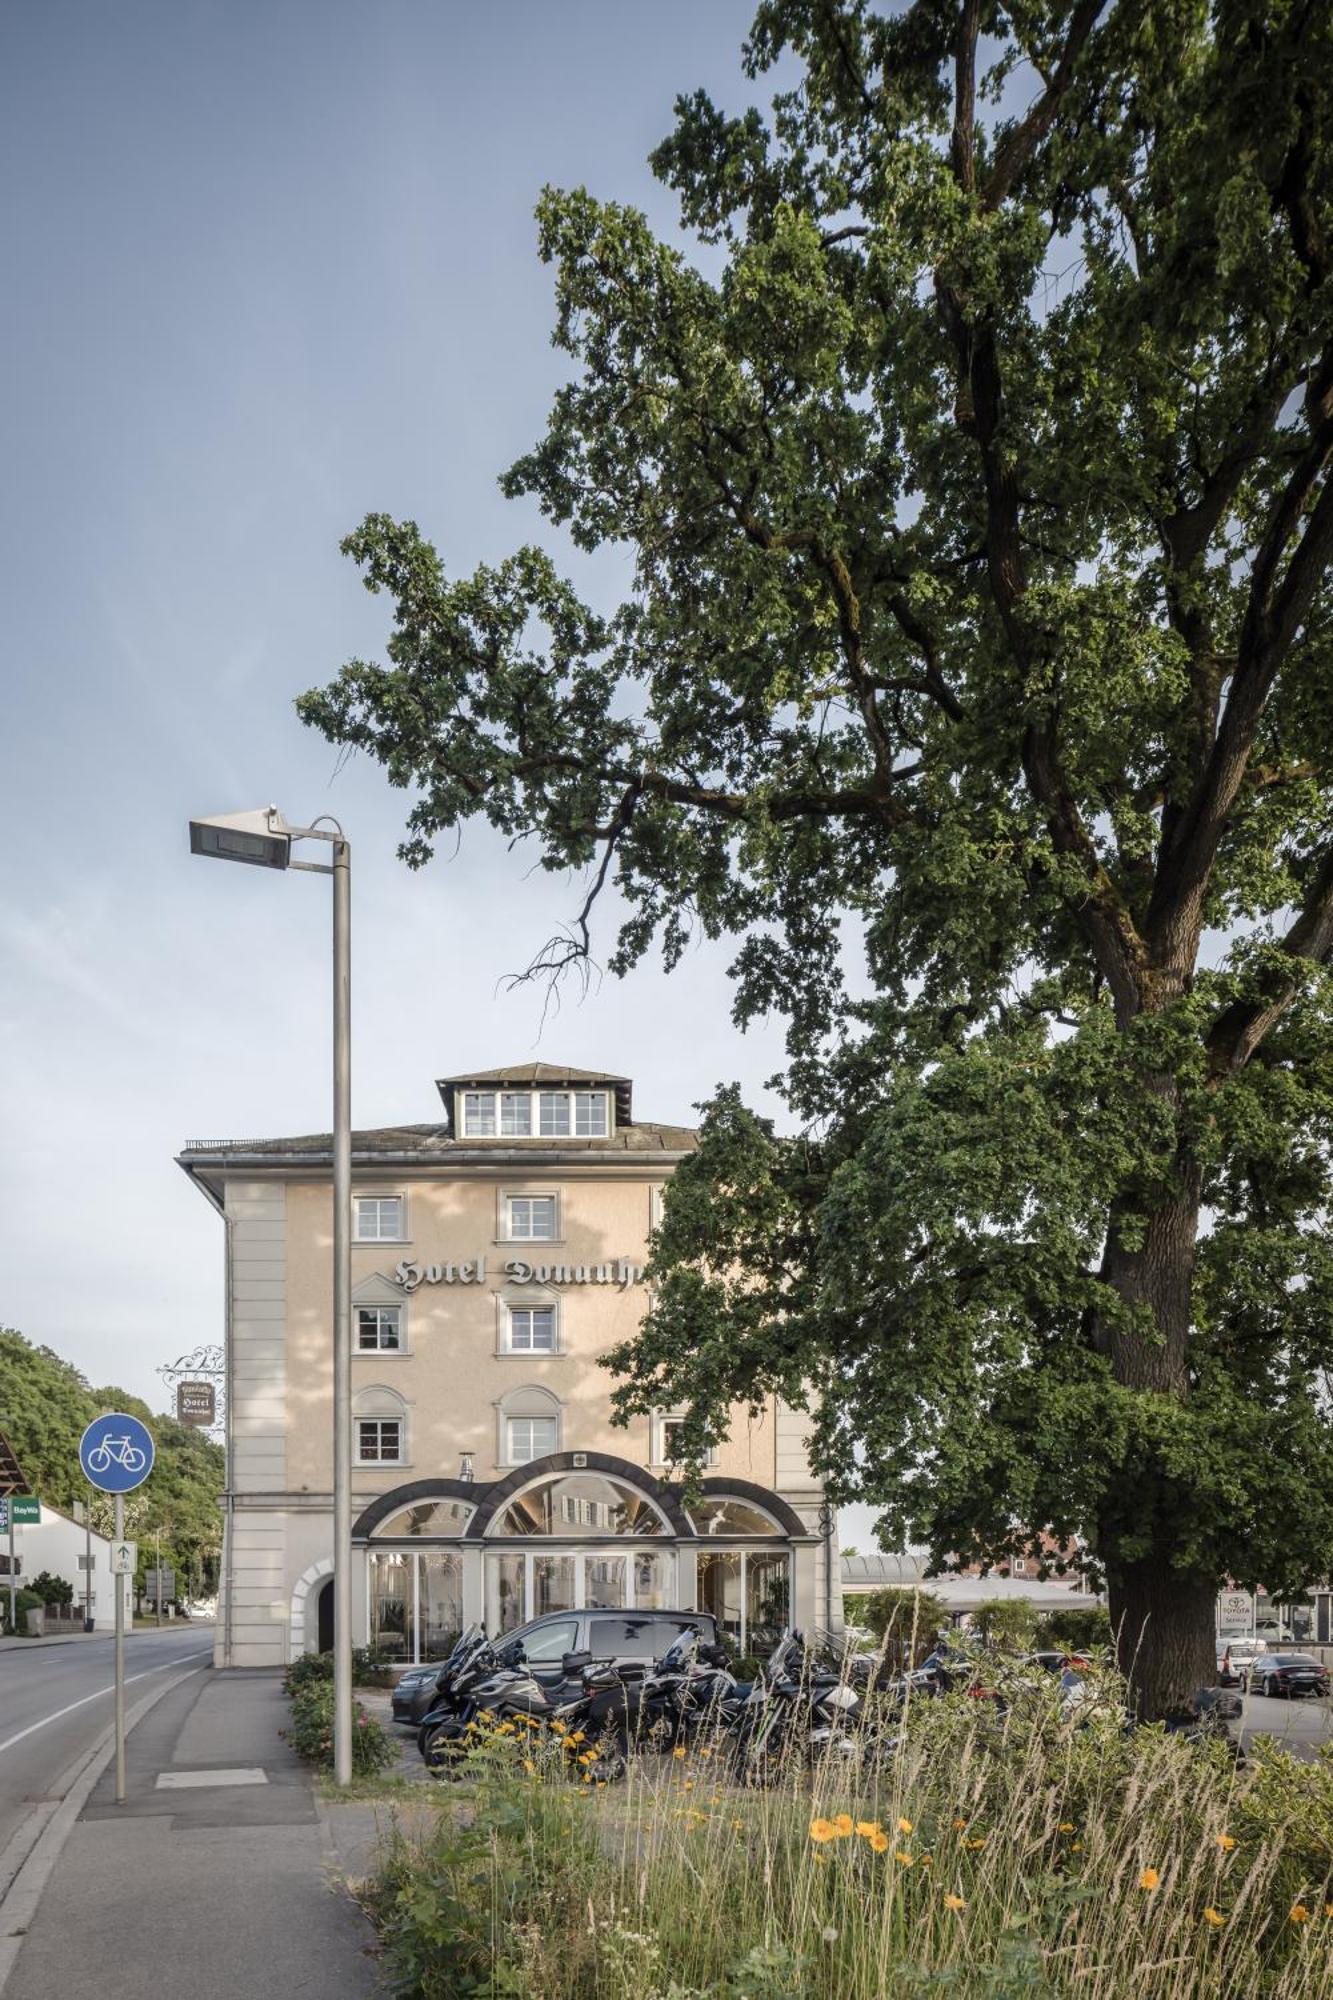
<point>974,672</point>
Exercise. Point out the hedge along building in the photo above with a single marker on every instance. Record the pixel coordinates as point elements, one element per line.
<point>497,1256</point>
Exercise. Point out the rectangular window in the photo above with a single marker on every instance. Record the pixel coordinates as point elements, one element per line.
<point>529,1438</point>
<point>379,1218</point>
<point>379,1440</point>
<point>553,1113</point>
<point>515,1114</point>
<point>379,1329</point>
<point>478,1114</point>
<point>1020,1566</point>
<point>590,1114</point>
<point>530,1218</point>
<point>671,1429</point>
<point>532,1330</point>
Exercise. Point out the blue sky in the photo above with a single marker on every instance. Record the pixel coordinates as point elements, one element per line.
<point>271,266</point>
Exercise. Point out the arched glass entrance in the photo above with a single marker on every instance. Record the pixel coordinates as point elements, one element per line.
<point>584,1508</point>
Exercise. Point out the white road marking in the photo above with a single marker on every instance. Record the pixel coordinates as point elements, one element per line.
<point>97,1695</point>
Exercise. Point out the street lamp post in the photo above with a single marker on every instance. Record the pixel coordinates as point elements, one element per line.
<point>263,839</point>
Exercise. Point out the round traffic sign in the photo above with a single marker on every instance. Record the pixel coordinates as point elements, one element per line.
<point>116,1452</point>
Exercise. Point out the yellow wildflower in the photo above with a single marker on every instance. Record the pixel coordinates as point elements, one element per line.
<point>878,1842</point>
<point>905,1859</point>
<point>680,1751</point>
<point>528,1765</point>
<point>1066,1826</point>
<point>904,1826</point>
<point>960,1826</point>
<point>1214,1917</point>
<point>867,1828</point>
<point>842,1826</point>
<point>1075,1846</point>
<point>1328,1909</point>
<point>1226,1842</point>
<point>1299,1913</point>
<point>954,1903</point>
<point>975,1846</point>
<point>688,1786</point>
<point>823,1829</point>
<point>1149,1879</point>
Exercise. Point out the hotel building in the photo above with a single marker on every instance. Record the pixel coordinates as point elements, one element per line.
<point>498,1254</point>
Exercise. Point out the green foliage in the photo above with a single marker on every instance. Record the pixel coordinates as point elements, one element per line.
<point>46,1407</point>
<point>971,452</point>
<point>1076,1630</point>
<point>369,1669</point>
<point>50,1589</point>
<point>1007,1623</point>
<point>311,1732</point>
<point>991,1854</point>
<point>903,1613</point>
<point>24,1601</point>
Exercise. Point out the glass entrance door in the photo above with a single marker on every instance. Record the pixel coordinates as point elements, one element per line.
<point>525,1584</point>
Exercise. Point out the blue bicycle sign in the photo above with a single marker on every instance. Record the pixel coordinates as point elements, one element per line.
<point>116,1453</point>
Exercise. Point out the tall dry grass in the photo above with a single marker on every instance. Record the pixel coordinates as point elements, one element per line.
<point>1034,1852</point>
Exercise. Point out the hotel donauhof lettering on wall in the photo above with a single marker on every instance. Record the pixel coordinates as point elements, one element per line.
<point>617,1271</point>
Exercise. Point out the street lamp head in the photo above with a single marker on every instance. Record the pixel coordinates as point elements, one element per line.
<point>262,838</point>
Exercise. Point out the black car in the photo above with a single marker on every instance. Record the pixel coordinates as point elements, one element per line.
<point>1287,1673</point>
<point>626,1638</point>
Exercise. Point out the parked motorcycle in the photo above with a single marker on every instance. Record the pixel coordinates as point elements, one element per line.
<point>689,1693</point>
<point>499,1684</point>
<point>798,1708</point>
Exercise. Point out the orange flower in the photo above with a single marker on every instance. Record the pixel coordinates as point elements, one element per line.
<point>904,1826</point>
<point>1214,1917</point>
<point>975,1846</point>
<point>823,1829</point>
<point>954,1903</point>
<point>868,1828</point>
<point>680,1751</point>
<point>842,1826</point>
<point>1066,1826</point>
<point>1299,1913</point>
<point>1226,1842</point>
<point>905,1859</point>
<point>1149,1879</point>
<point>878,1842</point>
<point>960,1826</point>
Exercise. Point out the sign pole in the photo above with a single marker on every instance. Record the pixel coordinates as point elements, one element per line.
<point>118,1585</point>
<point>13,1581</point>
<point>88,1566</point>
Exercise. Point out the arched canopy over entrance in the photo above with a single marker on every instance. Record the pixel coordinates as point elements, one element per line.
<point>574,1531</point>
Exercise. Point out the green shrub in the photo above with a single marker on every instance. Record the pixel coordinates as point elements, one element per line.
<point>369,1669</point>
<point>50,1589</point>
<point>311,1732</point>
<point>1009,1623</point>
<point>1076,1630</point>
<point>25,1601</point>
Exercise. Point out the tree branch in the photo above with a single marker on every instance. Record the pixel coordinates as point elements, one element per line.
<point>1023,141</point>
<point>1241,1027</point>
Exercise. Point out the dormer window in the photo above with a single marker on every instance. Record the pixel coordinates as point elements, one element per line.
<point>544,1114</point>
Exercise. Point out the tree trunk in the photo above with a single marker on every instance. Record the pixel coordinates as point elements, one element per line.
<point>1164,1618</point>
<point>1164,1622</point>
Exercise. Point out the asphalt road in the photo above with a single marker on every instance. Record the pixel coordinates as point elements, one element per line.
<point>1300,1724</point>
<point>56,1700</point>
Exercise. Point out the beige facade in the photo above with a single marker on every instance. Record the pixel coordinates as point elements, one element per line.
<point>494,1267</point>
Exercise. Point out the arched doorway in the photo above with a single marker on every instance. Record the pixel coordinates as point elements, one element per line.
<point>324,1616</point>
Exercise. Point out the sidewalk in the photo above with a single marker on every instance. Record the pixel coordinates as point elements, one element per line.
<point>216,1877</point>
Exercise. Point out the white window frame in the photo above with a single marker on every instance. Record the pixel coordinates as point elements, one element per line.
<point>381,1457</point>
<point>530,1299</point>
<point>467,1131</point>
<point>376,1402</point>
<point>531,1307</point>
<point>505,1220</point>
<point>529,1399</point>
<point>508,1106</point>
<point>660,1425</point>
<point>532,1456</point>
<point>379,1195</point>
<point>574,1102</point>
<point>399,1313</point>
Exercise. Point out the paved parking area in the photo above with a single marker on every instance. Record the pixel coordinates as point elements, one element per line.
<point>1300,1725</point>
